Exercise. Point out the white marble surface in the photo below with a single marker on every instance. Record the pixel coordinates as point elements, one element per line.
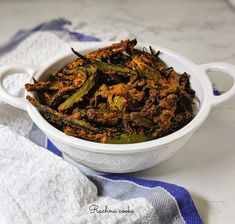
<point>202,30</point>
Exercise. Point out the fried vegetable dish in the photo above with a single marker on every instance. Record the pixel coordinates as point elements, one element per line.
<point>117,94</point>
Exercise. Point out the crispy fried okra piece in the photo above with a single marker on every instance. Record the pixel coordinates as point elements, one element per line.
<point>124,45</point>
<point>59,118</point>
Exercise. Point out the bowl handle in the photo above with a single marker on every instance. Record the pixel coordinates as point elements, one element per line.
<point>19,102</point>
<point>223,67</point>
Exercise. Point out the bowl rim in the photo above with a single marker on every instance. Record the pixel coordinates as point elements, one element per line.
<point>86,145</point>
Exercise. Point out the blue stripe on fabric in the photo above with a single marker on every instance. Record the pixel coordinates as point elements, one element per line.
<point>51,147</point>
<point>83,37</point>
<point>181,195</point>
<point>216,91</point>
<point>53,25</point>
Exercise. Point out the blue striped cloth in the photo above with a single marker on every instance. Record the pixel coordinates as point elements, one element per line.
<point>171,203</point>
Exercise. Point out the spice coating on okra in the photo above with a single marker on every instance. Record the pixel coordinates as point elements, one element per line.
<point>117,94</point>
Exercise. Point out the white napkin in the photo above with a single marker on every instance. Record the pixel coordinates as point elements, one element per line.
<point>39,187</point>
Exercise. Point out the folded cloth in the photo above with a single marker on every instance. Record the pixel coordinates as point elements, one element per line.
<point>39,187</point>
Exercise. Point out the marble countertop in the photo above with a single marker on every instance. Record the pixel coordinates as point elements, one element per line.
<point>203,31</point>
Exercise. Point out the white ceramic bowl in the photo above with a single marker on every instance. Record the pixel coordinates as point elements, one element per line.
<point>125,157</point>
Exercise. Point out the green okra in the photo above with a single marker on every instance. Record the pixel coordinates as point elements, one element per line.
<point>63,119</point>
<point>113,68</point>
<point>77,96</point>
<point>127,139</point>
